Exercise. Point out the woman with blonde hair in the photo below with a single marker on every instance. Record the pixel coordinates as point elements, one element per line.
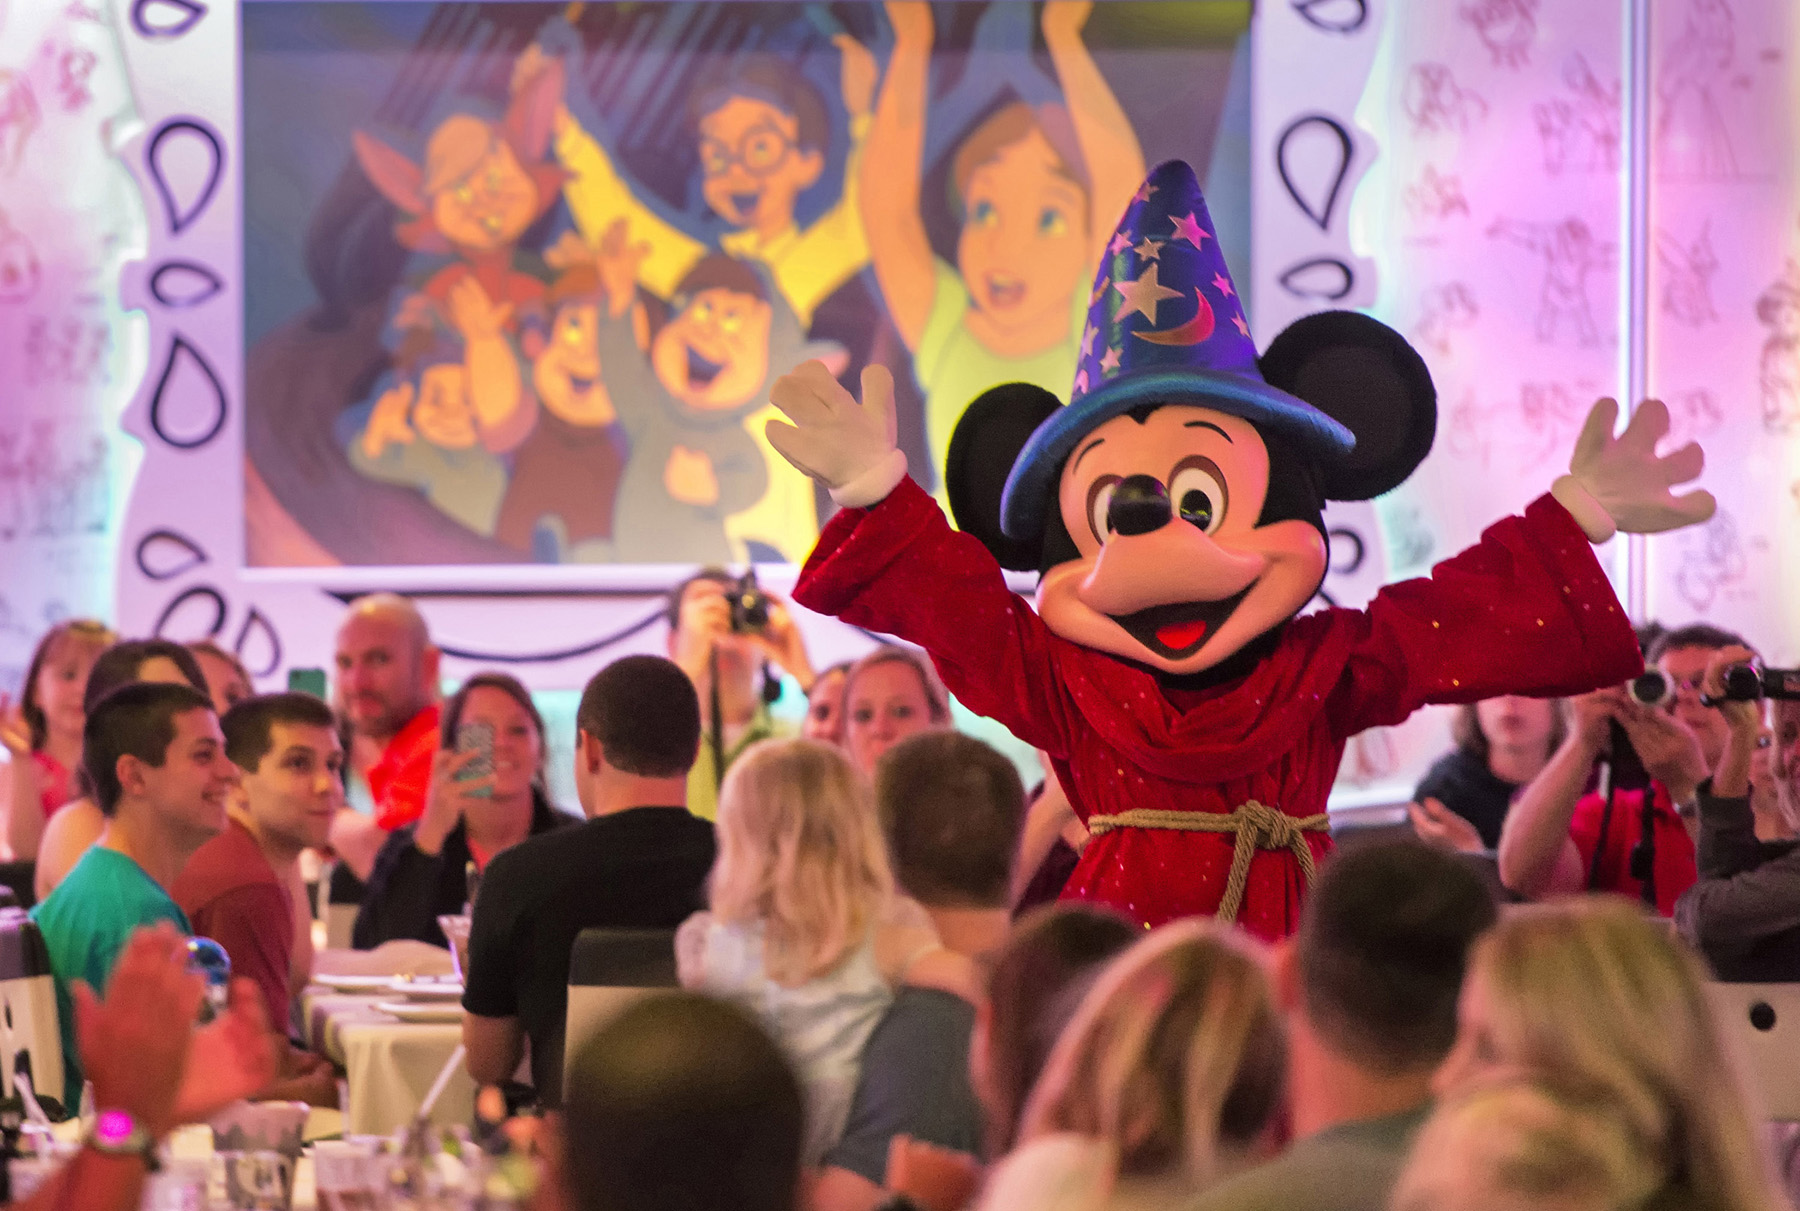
<point>1603,1005</point>
<point>804,927</point>
<point>1166,1080</point>
<point>890,694</point>
<point>1521,1146</point>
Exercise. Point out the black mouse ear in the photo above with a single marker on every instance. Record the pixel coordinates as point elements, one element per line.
<point>987,439</point>
<point>1363,375</point>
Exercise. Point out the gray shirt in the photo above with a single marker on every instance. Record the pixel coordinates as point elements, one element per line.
<point>1744,913</point>
<point>1349,1167</point>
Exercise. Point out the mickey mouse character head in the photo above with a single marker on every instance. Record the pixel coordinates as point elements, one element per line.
<point>1175,507</point>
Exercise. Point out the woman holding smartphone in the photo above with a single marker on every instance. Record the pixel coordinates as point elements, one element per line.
<point>486,795</point>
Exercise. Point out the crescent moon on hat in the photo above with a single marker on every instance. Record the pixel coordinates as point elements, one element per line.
<point>1191,333</point>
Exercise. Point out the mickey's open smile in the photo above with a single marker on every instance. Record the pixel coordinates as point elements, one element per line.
<point>1176,631</point>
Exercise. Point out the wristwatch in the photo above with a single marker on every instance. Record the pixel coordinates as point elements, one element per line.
<point>117,1133</point>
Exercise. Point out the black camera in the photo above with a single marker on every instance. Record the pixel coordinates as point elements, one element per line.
<point>749,605</point>
<point>1747,683</point>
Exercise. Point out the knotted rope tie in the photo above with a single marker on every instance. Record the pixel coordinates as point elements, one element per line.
<point>1257,826</point>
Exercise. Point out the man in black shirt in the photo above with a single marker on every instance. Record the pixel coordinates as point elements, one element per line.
<point>640,861</point>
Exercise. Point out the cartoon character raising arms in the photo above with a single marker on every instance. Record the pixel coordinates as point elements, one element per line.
<point>1037,187</point>
<point>762,134</point>
<point>1174,510</point>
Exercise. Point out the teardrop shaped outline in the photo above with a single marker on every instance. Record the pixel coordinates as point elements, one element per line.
<point>178,222</point>
<point>175,347</point>
<point>1322,221</point>
<point>196,13</point>
<point>214,284</point>
<point>1362,549</point>
<point>254,618</point>
<point>175,603</point>
<point>1303,9</point>
<point>1299,267</point>
<point>163,534</point>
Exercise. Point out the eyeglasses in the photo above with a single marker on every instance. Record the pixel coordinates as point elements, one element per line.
<point>761,150</point>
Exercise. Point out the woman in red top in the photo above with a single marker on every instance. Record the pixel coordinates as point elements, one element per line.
<point>43,732</point>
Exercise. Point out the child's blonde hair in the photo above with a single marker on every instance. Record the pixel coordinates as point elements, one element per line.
<point>1601,1002</point>
<point>1176,1056</point>
<point>799,851</point>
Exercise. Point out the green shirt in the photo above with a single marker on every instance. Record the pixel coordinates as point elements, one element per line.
<point>1349,1167</point>
<point>703,783</point>
<point>85,923</point>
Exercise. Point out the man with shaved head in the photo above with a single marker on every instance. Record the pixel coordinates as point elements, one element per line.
<point>387,689</point>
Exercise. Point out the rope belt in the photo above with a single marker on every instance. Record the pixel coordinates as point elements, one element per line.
<point>1257,825</point>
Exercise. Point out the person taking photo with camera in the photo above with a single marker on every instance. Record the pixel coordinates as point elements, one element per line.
<point>723,632</point>
<point>1561,837</point>
<point>1744,913</point>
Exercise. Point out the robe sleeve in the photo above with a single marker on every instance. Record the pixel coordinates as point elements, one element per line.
<point>898,568</point>
<point>1527,610</point>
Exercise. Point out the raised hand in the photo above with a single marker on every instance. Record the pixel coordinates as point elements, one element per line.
<point>847,446</point>
<point>474,314</point>
<point>234,1056</point>
<point>911,20</point>
<point>617,262</point>
<point>1438,825</point>
<point>1064,18</point>
<point>689,477</point>
<point>1629,482</point>
<point>389,422</point>
<point>135,1044</point>
<point>857,76</point>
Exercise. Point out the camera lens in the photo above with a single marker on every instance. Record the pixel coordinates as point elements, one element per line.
<point>1652,688</point>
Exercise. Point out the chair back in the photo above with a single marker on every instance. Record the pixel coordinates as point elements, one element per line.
<point>1762,1021</point>
<point>29,1033</point>
<point>608,970</point>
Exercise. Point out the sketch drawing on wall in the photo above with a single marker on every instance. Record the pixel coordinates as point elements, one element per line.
<point>1571,254</point>
<point>1437,104</point>
<point>1506,27</point>
<point>1778,310</point>
<point>1686,271</point>
<point>1580,131</point>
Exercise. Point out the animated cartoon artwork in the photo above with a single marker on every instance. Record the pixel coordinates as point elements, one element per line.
<point>1173,509</point>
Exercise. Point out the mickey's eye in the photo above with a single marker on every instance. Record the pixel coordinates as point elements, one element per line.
<point>1099,501</point>
<point>1197,490</point>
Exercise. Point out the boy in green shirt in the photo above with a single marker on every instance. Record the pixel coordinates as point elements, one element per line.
<point>156,758</point>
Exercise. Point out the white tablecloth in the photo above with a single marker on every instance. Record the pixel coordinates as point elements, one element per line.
<point>390,1064</point>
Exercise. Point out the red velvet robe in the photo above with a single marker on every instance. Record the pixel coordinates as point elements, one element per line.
<point>1527,610</point>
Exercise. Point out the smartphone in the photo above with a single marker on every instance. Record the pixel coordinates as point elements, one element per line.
<point>307,681</point>
<point>476,737</point>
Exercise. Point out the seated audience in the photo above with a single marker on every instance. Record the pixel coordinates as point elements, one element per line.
<point>1521,1146</point>
<point>1368,988</point>
<point>1596,1001</point>
<point>1560,838</point>
<point>950,808</point>
<point>237,889</point>
<point>387,691</point>
<point>700,640</point>
<point>802,924</point>
<point>421,873</point>
<point>1168,1079</point>
<point>156,760</point>
<point>679,1104</point>
<point>227,680</point>
<point>1744,913</point>
<point>890,694</point>
<point>151,1069</point>
<point>825,706</point>
<point>1501,744</point>
<point>75,826</point>
<point>640,861</point>
<point>42,734</point>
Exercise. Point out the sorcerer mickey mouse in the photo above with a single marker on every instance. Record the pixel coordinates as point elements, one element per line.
<point>1174,512</point>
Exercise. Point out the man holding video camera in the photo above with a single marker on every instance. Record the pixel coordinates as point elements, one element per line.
<point>1562,837</point>
<point>1744,913</point>
<point>724,630</point>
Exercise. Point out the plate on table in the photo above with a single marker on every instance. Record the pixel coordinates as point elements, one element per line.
<point>414,1011</point>
<point>427,988</point>
<point>355,983</point>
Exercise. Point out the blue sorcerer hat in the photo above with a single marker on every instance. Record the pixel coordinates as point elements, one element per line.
<point>1164,326</point>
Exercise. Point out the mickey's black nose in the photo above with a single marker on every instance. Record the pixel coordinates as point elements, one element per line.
<point>1139,505</point>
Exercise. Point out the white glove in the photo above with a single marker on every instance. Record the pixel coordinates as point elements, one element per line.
<point>848,447</point>
<point>1622,484</point>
